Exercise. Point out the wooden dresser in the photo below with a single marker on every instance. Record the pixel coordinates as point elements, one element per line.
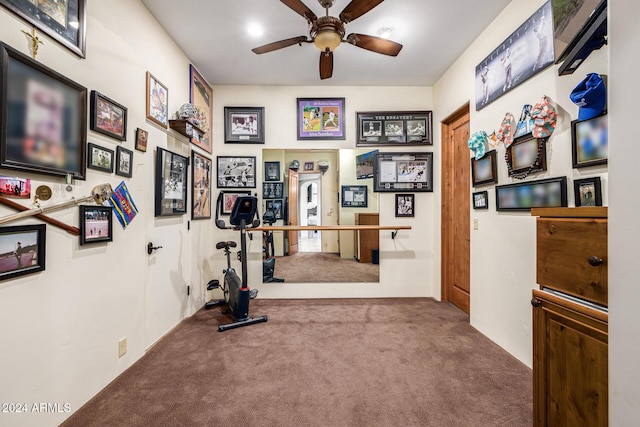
<point>570,318</point>
<point>366,241</point>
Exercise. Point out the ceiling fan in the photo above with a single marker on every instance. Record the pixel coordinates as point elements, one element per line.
<point>327,32</point>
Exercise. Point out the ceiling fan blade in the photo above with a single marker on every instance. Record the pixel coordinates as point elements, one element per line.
<point>326,65</point>
<point>357,8</point>
<point>301,9</point>
<point>375,44</point>
<point>280,44</point>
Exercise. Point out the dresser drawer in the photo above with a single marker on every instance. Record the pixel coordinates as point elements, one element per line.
<point>571,256</point>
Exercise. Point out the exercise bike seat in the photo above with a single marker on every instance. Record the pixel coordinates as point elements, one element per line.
<point>228,244</point>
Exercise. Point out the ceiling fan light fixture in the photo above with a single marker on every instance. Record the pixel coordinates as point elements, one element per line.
<point>385,32</point>
<point>327,41</point>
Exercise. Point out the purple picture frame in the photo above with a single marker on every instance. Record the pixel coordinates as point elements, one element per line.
<point>321,118</point>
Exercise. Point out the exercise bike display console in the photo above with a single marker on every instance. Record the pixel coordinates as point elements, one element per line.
<point>235,288</point>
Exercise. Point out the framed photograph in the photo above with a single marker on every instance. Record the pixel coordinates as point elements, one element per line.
<point>480,200</point>
<point>403,172</point>
<point>309,166</point>
<point>522,196</point>
<point>320,118</point>
<point>43,125</point>
<point>19,188</point>
<point>364,165</point>
<point>354,196</point>
<point>244,125</point>
<point>275,206</point>
<point>124,162</point>
<point>272,171</point>
<point>22,250</point>
<point>405,205</point>
<point>236,172</point>
<point>484,171</point>
<point>388,128</point>
<point>171,183</point>
<point>201,169</point>
<point>141,140</point>
<point>526,52</point>
<point>108,117</point>
<point>272,190</point>
<point>229,198</point>
<point>96,224</point>
<point>526,155</point>
<point>590,142</point>
<point>157,101</point>
<point>588,191</point>
<point>63,21</point>
<point>100,158</point>
<point>201,96</point>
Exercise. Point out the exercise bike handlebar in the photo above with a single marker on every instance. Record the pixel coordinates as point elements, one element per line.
<point>244,213</point>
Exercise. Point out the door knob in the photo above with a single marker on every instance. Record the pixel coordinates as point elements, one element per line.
<point>151,248</point>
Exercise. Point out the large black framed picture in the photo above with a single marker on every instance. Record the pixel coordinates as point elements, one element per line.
<point>398,172</point>
<point>388,128</point>
<point>22,250</point>
<point>236,171</point>
<point>171,183</point>
<point>64,21</point>
<point>43,125</point>
<point>542,193</point>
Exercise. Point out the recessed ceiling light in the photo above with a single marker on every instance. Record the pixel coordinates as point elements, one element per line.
<point>385,32</point>
<point>255,29</point>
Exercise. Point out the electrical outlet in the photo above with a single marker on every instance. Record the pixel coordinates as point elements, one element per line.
<point>122,347</point>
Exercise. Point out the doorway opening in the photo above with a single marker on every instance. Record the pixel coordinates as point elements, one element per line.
<point>310,210</point>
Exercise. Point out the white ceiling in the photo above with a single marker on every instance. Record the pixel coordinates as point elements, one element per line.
<point>213,34</point>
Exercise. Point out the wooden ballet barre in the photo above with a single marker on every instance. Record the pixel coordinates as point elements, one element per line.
<point>395,228</point>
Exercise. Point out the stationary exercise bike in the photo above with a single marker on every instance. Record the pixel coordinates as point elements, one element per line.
<point>235,289</point>
<point>269,259</point>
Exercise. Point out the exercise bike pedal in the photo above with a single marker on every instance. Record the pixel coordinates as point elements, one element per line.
<point>213,284</point>
<point>253,293</point>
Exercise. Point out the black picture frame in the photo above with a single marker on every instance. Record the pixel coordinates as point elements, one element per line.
<point>25,247</point>
<point>403,172</point>
<point>542,193</point>
<point>108,117</point>
<point>244,125</point>
<point>124,162</point>
<point>61,150</point>
<point>480,200</point>
<point>276,206</point>
<point>272,190</point>
<point>99,158</point>
<point>590,141</point>
<point>405,205</point>
<point>236,171</point>
<point>96,224</point>
<point>526,155</point>
<point>272,171</point>
<point>229,198</point>
<point>201,172</point>
<point>69,29</point>
<point>514,61</point>
<point>392,128</point>
<point>320,118</point>
<point>587,191</point>
<point>354,196</point>
<point>484,171</point>
<point>171,183</point>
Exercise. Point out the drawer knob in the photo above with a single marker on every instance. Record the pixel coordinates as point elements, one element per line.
<point>536,302</point>
<point>595,261</point>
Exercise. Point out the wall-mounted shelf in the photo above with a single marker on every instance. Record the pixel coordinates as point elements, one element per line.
<point>186,128</point>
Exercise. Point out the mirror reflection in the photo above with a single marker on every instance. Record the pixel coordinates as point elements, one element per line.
<point>312,182</point>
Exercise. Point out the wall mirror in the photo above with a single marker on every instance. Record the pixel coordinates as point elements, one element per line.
<point>312,182</point>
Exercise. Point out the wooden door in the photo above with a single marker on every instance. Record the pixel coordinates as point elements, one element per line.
<point>456,210</point>
<point>570,364</point>
<point>293,210</point>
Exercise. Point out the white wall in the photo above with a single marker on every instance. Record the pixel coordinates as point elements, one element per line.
<point>503,248</point>
<point>624,233</point>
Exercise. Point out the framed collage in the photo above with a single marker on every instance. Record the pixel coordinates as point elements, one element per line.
<point>394,128</point>
<point>321,118</point>
<point>403,172</point>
